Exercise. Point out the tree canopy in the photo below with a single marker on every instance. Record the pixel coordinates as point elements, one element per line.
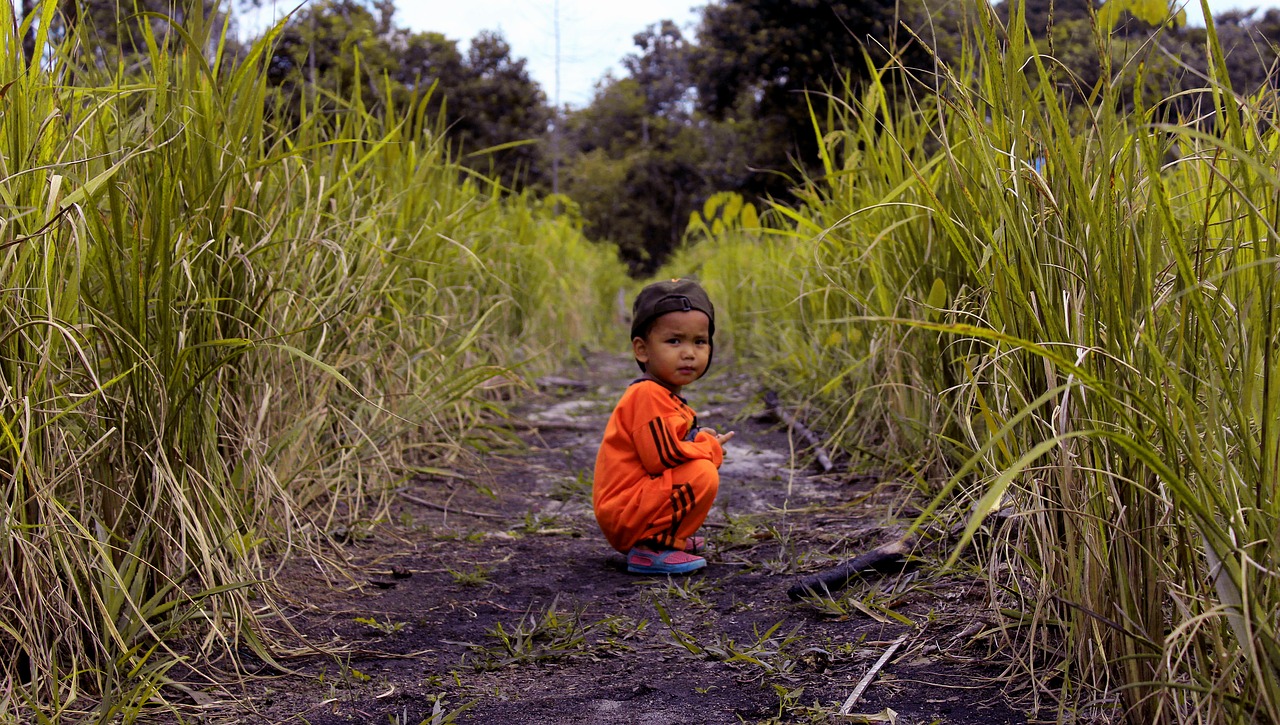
<point>729,108</point>
<point>727,111</point>
<point>108,30</point>
<point>723,106</point>
<point>486,95</point>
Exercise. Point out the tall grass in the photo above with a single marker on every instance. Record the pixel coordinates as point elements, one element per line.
<point>223,337</point>
<point>1071,316</point>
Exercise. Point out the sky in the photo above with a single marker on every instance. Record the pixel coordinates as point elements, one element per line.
<point>595,35</point>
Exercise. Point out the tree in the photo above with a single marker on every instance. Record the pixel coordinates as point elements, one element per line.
<point>428,58</point>
<point>1041,16</point>
<point>760,59</point>
<point>334,48</point>
<point>499,103</point>
<point>108,29</point>
<point>641,159</point>
<point>727,113</point>
<point>663,70</point>
<point>331,47</point>
<point>1249,42</point>
<point>611,173</point>
<point>1125,35</point>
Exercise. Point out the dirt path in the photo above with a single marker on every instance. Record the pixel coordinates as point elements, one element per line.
<point>525,614</point>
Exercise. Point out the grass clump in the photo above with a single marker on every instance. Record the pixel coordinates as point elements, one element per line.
<point>221,337</point>
<point>548,636</point>
<point>1069,313</point>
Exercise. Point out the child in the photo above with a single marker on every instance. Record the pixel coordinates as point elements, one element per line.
<point>657,471</point>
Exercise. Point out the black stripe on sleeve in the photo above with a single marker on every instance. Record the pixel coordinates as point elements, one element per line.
<point>672,447</point>
<point>655,428</point>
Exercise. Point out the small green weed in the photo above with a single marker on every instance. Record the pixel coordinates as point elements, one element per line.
<point>617,631</point>
<point>355,676</point>
<point>577,488</point>
<point>828,605</point>
<point>545,636</point>
<point>740,532</point>
<point>439,715</point>
<point>353,533</point>
<point>791,711</point>
<point>478,576</point>
<point>620,628</point>
<point>877,602</point>
<point>387,627</point>
<point>770,652</point>
<point>786,560</point>
<point>788,698</point>
<point>537,523</point>
<point>688,590</point>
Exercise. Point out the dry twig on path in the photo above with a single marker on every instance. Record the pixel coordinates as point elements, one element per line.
<point>820,453</point>
<point>423,502</point>
<point>871,675</point>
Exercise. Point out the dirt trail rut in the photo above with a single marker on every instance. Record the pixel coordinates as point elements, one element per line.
<point>514,604</point>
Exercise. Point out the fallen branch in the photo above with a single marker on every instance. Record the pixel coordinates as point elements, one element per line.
<point>535,426</point>
<point>871,675</point>
<point>423,502</point>
<point>820,453</point>
<point>888,557</point>
<point>552,381</point>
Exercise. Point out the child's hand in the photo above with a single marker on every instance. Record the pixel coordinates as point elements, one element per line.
<point>721,439</point>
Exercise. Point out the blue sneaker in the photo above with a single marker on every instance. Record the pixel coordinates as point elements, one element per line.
<point>669,561</point>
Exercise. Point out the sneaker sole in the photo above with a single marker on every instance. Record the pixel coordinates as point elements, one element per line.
<point>669,569</point>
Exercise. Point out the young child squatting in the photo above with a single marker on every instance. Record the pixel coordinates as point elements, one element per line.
<point>657,472</point>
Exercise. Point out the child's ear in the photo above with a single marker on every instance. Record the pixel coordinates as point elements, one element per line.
<point>640,349</point>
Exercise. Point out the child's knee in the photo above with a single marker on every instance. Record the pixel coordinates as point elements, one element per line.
<point>704,475</point>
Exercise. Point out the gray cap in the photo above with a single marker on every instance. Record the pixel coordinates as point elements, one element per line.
<point>676,295</point>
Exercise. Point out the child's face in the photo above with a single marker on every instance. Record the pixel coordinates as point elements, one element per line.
<point>677,348</point>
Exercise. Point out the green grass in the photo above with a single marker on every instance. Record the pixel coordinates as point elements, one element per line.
<point>1090,341</point>
<point>550,635</point>
<point>221,337</point>
<point>479,576</point>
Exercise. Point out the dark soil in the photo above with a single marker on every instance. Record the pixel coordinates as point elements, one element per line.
<point>525,615</point>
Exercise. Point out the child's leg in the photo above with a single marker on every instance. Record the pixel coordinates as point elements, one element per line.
<point>693,490</point>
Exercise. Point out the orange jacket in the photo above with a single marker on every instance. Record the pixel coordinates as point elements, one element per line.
<point>644,439</point>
